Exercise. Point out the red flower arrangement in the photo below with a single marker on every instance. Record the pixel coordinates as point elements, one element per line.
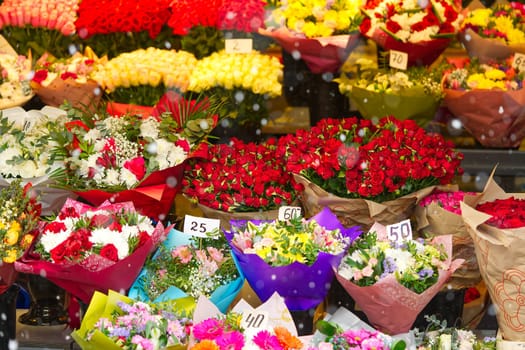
<point>448,200</point>
<point>506,213</point>
<point>355,158</point>
<point>240,177</point>
<point>242,15</point>
<point>186,14</point>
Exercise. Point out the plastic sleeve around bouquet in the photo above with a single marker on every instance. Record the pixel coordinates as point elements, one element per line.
<point>422,53</point>
<point>302,286</point>
<point>391,307</point>
<point>79,95</point>
<point>410,104</point>
<point>153,197</point>
<point>101,306</point>
<point>501,261</point>
<point>487,49</point>
<point>352,212</point>
<point>495,118</point>
<point>321,55</point>
<point>51,199</point>
<point>222,297</point>
<point>94,273</point>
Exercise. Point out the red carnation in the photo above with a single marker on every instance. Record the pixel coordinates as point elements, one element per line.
<point>137,167</point>
<point>40,76</point>
<point>109,251</point>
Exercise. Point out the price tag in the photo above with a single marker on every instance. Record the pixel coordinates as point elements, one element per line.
<point>197,226</point>
<point>398,59</point>
<point>519,62</point>
<point>288,212</point>
<point>400,232</point>
<point>254,319</point>
<point>238,45</point>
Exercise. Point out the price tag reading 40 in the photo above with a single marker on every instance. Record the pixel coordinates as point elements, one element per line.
<point>519,62</point>
<point>254,319</point>
<point>400,232</point>
<point>288,212</point>
<point>398,59</point>
<point>199,227</point>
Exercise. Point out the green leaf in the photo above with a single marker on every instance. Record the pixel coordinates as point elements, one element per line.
<point>327,328</point>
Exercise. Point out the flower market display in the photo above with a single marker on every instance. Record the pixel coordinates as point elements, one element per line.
<point>15,86</point>
<point>494,33</point>
<point>358,167</point>
<point>498,121</point>
<point>292,257</point>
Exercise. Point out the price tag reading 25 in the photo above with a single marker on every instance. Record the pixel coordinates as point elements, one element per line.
<point>288,212</point>
<point>199,227</point>
<point>400,232</point>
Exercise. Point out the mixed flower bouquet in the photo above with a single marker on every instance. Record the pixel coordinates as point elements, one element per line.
<point>37,27</point>
<point>239,180</point>
<point>115,322</point>
<point>15,88</point>
<point>438,214</point>
<point>322,33</point>
<point>127,158</point>
<point>68,79</point>
<point>186,265</point>
<point>26,152</point>
<point>422,29</point>
<point>18,221</point>
<point>401,276</point>
<point>494,33</point>
<point>414,93</point>
<point>499,120</point>
<point>242,82</point>
<point>288,256</point>
<point>366,171</point>
<point>86,249</point>
<point>141,77</point>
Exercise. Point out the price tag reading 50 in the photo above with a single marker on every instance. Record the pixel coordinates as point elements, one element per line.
<point>400,232</point>
<point>199,227</point>
<point>287,213</point>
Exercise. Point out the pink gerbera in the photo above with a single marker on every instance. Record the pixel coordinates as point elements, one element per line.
<point>230,341</point>
<point>208,329</point>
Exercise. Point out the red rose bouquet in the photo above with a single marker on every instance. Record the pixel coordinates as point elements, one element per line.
<point>494,33</point>
<point>18,220</point>
<point>239,180</point>
<point>500,120</point>
<point>86,248</point>
<point>422,29</point>
<point>366,171</point>
<point>495,222</point>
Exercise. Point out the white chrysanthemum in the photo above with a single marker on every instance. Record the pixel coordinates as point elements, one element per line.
<point>146,225</point>
<point>424,35</point>
<point>50,239</point>
<point>27,169</point>
<point>128,178</point>
<point>168,154</point>
<point>99,145</point>
<point>112,177</point>
<point>92,135</point>
<point>129,231</point>
<point>8,154</point>
<point>150,128</point>
<point>403,259</point>
<point>103,236</point>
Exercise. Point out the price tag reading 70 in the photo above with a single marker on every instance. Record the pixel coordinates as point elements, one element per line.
<point>400,232</point>
<point>200,227</point>
<point>398,59</point>
<point>288,212</point>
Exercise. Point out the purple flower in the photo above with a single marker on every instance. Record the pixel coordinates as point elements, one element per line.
<point>120,332</point>
<point>389,265</point>
<point>425,273</point>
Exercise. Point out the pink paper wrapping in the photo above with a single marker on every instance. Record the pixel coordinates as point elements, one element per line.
<point>96,273</point>
<point>495,118</point>
<point>153,197</point>
<point>321,55</point>
<point>392,308</point>
<point>419,54</point>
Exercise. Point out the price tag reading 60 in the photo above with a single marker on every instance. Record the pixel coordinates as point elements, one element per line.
<point>197,226</point>
<point>288,212</point>
<point>519,62</point>
<point>400,232</point>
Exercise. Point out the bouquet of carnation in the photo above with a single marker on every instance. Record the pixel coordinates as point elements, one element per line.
<point>414,93</point>
<point>113,27</point>
<point>186,265</point>
<point>500,120</point>
<point>85,249</point>
<point>116,322</point>
<point>69,79</point>
<point>365,171</point>
<point>422,29</point>
<point>242,82</point>
<point>141,77</point>
<point>15,88</point>
<point>239,181</point>
<point>26,152</point>
<point>401,277</point>
<point>130,158</point>
<point>494,33</point>
<point>38,27</point>
<point>18,221</point>
<point>293,257</point>
<point>439,214</point>
<point>494,220</point>
<point>323,35</point>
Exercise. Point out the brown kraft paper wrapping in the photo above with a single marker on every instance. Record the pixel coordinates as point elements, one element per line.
<point>487,49</point>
